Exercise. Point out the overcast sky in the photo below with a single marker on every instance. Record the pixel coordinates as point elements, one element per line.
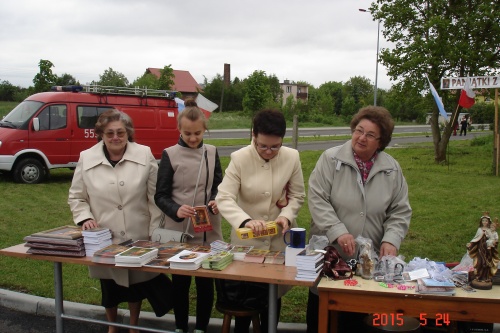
<point>309,40</point>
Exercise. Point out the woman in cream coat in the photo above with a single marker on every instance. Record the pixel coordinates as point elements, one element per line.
<point>113,187</point>
<point>263,182</point>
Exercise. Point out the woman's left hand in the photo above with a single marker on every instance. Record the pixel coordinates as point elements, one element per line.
<point>387,249</point>
<point>212,205</point>
<point>283,222</point>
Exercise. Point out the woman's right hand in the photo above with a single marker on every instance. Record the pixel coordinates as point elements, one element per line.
<point>89,224</point>
<point>185,211</point>
<point>257,226</point>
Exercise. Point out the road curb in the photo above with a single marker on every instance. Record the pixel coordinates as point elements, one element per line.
<point>42,306</point>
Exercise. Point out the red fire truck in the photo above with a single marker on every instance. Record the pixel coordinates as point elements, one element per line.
<point>49,130</point>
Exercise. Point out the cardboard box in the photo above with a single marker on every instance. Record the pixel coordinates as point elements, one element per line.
<point>291,254</point>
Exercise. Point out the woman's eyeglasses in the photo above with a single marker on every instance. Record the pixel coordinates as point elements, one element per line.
<point>264,148</point>
<point>111,134</point>
<point>369,136</point>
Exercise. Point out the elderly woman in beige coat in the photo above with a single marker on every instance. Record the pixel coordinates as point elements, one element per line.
<point>113,187</point>
<point>263,182</point>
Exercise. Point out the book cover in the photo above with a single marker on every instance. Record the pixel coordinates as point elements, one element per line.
<point>201,220</point>
<point>220,245</point>
<point>256,256</point>
<point>187,260</point>
<point>274,257</point>
<point>158,263</point>
<point>240,252</point>
<point>421,288</point>
<point>201,248</point>
<point>307,256</point>
<point>63,253</point>
<point>74,248</point>
<point>50,240</point>
<point>169,249</point>
<point>435,283</point>
<point>136,253</point>
<point>107,254</point>
<point>65,232</point>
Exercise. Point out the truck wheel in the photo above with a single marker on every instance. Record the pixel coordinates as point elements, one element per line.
<point>29,171</point>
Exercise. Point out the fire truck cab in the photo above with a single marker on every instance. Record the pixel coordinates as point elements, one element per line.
<point>49,130</point>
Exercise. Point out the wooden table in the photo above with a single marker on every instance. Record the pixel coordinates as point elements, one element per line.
<point>274,275</point>
<point>370,297</point>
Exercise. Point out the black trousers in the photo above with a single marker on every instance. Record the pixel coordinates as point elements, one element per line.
<point>204,301</point>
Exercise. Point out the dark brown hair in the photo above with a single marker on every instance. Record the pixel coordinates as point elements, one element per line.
<point>380,117</point>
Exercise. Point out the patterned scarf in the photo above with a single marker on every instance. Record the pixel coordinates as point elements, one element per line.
<point>365,167</point>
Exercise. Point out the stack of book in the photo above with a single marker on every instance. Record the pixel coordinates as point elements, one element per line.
<point>217,261</point>
<point>433,287</point>
<point>188,260</point>
<point>61,241</point>
<point>135,256</point>
<point>96,239</point>
<point>218,246</point>
<point>309,265</point>
<point>107,255</point>
<point>240,252</point>
<point>165,252</point>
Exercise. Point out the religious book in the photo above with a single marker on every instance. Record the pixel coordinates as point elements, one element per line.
<point>171,248</point>
<point>55,241</point>
<point>135,256</point>
<point>217,261</point>
<point>64,253</point>
<point>96,233</point>
<point>107,254</point>
<point>307,260</point>
<point>201,248</point>
<point>201,220</point>
<point>74,248</point>
<point>219,245</point>
<point>187,260</point>
<point>274,257</point>
<point>256,256</point>
<point>64,232</point>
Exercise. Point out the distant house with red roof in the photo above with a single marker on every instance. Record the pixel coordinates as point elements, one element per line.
<point>184,82</point>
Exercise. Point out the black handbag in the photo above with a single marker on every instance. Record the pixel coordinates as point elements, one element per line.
<point>242,294</point>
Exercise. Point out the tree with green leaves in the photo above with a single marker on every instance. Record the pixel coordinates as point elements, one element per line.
<point>112,78</point>
<point>257,92</point>
<point>166,81</point>
<point>147,80</point>
<point>66,80</point>
<point>441,38</point>
<point>45,78</point>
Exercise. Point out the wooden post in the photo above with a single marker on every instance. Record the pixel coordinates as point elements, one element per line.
<point>295,132</point>
<point>496,137</point>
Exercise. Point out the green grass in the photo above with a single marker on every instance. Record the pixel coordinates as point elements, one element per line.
<point>447,201</point>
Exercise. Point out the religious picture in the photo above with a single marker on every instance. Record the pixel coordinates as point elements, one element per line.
<point>201,220</point>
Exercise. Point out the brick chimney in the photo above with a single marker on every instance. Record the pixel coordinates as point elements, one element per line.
<point>227,75</point>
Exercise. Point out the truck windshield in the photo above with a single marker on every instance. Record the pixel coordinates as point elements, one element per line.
<point>20,115</point>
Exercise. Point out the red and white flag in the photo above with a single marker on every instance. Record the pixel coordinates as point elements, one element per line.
<point>467,95</point>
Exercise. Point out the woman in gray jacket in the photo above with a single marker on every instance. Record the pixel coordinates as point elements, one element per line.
<point>356,189</point>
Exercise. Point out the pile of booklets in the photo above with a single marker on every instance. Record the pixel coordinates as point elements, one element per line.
<point>217,261</point>
<point>188,260</point>
<point>309,265</point>
<point>430,286</point>
<point>96,239</point>
<point>219,245</point>
<point>107,255</point>
<point>135,256</point>
<point>240,251</point>
<point>61,241</point>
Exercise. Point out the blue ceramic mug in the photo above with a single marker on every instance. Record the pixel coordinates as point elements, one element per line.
<point>297,237</point>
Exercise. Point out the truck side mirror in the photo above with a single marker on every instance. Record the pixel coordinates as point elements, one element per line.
<point>36,124</point>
